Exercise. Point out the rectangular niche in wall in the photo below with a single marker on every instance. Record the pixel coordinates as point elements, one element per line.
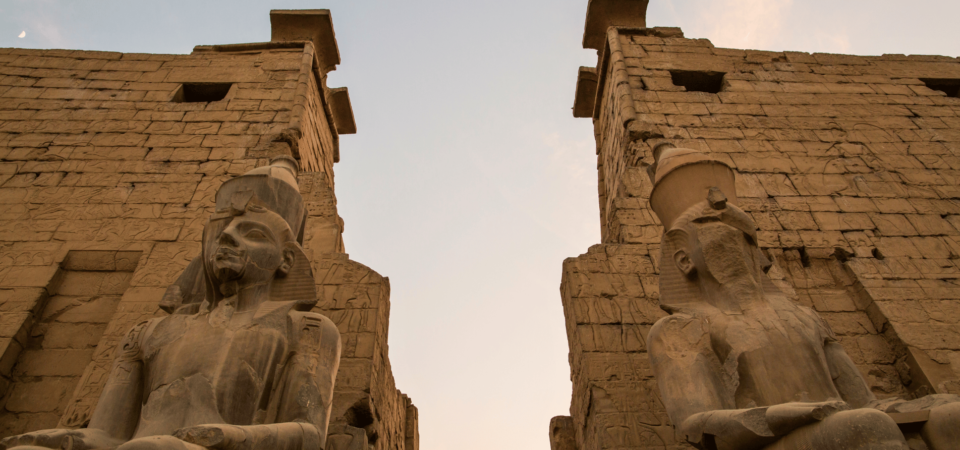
<point>949,86</point>
<point>202,92</point>
<point>698,81</point>
<point>63,337</point>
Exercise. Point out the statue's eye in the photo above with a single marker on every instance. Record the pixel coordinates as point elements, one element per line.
<point>256,234</point>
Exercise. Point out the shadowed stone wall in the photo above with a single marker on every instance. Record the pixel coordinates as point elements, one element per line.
<point>106,152</point>
<point>58,336</point>
<point>849,164</point>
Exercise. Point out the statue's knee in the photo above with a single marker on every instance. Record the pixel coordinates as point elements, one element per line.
<point>942,430</point>
<point>148,443</point>
<point>865,426</point>
<point>861,429</point>
<point>157,443</point>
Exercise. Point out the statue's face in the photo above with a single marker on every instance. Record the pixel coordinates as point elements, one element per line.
<point>250,249</point>
<point>725,253</point>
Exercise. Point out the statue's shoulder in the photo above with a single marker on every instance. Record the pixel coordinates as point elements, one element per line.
<point>681,318</point>
<point>131,347</point>
<point>679,327</point>
<point>808,316</point>
<point>313,331</point>
<point>782,304</point>
<point>300,317</point>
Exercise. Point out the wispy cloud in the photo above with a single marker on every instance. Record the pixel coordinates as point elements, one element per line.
<point>832,42</point>
<point>744,23</point>
<point>757,24</point>
<point>48,30</point>
<point>573,160</point>
<point>44,24</point>
<point>573,166</point>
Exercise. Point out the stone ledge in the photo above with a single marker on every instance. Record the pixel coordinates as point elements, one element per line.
<point>314,25</point>
<point>603,14</point>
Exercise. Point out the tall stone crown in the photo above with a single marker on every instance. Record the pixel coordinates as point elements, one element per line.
<point>273,187</point>
<point>682,178</point>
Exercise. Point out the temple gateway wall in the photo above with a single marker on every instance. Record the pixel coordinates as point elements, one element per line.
<point>108,167</point>
<point>850,165</point>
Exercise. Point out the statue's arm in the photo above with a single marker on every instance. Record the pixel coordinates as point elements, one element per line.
<point>846,377</point>
<point>692,389</point>
<point>118,409</point>
<point>687,370</point>
<point>699,399</point>
<point>303,398</point>
<point>307,391</point>
<point>117,414</point>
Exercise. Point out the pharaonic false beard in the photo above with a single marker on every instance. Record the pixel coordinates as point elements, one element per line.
<point>732,263</point>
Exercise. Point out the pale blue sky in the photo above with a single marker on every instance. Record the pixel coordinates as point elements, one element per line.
<point>469,181</point>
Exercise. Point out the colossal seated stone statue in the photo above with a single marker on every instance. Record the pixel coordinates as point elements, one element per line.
<point>739,365</point>
<point>240,364</point>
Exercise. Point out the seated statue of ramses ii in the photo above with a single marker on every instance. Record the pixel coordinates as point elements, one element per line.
<point>741,366</point>
<point>241,363</point>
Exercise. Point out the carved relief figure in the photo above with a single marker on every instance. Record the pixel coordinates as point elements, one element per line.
<point>240,363</point>
<point>741,366</point>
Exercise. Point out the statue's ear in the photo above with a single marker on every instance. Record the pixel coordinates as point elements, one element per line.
<point>679,241</point>
<point>683,262</point>
<point>289,256</point>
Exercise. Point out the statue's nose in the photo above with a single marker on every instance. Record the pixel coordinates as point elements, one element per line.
<point>227,239</point>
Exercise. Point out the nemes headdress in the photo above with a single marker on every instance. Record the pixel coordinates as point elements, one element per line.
<point>271,190</point>
<point>273,187</point>
<point>690,187</point>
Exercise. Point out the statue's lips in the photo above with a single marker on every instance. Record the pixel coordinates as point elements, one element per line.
<point>229,263</point>
<point>223,257</point>
<point>227,254</point>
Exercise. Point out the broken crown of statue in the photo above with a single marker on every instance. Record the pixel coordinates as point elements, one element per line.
<point>241,364</point>
<point>270,192</point>
<point>739,365</point>
<point>690,188</point>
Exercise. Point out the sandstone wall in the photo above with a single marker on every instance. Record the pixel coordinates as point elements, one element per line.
<point>357,299</point>
<point>849,165</point>
<point>60,334</point>
<point>102,153</point>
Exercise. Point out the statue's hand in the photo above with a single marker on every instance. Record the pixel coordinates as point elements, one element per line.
<point>787,417</point>
<point>82,439</point>
<point>756,427</point>
<point>746,427</point>
<point>216,436</point>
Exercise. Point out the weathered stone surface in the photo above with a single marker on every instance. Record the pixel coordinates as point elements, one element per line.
<point>843,162</point>
<point>53,363</point>
<point>47,395</point>
<point>562,433</point>
<point>73,336</point>
<point>107,179</point>
<point>256,266</point>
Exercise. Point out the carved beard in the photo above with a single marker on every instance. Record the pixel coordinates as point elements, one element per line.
<point>730,259</point>
<point>229,264</point>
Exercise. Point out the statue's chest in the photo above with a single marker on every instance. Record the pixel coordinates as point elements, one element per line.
<point>765,336</point>
<point>234,358</point>
<point>774,361</point>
